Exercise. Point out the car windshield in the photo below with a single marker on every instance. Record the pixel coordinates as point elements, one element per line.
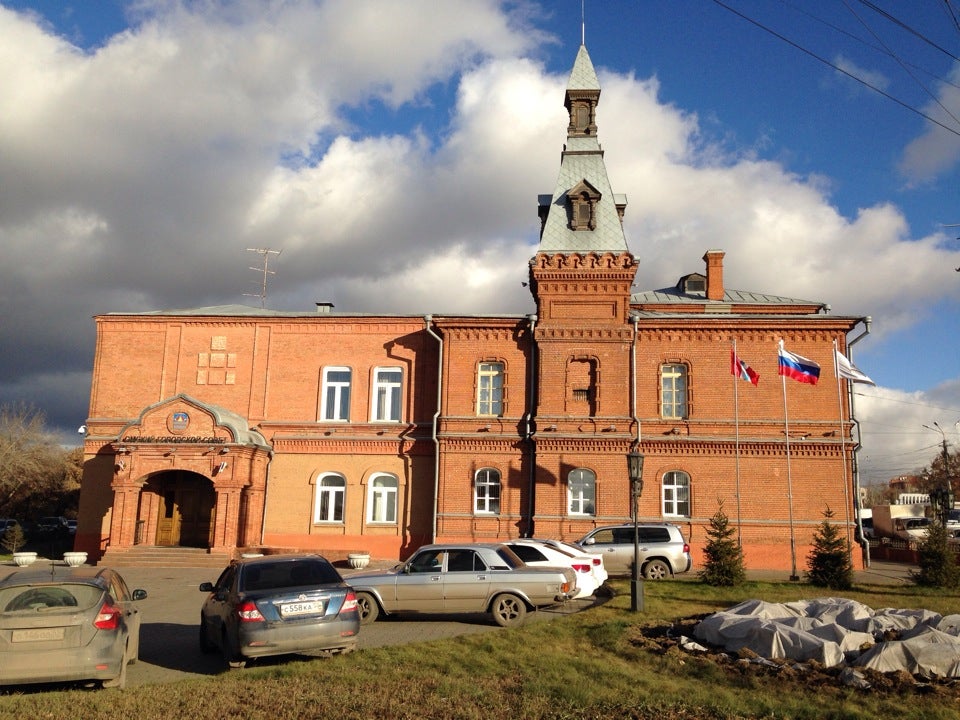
<point>49,598</point>
<point>279,575</point>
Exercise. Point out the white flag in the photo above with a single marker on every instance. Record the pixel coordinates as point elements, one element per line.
<point>848,370</point>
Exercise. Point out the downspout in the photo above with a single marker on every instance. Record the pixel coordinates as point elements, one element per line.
<point>427,319</point>
<point>266,496</point>
<point>634,320</point>
<point>531,399</point>
<point>856,448</point>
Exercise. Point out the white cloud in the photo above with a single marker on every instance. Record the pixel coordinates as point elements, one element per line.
<point>936,150</point>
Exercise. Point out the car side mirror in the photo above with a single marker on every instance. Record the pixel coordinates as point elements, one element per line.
<point>588,541</point>
<point>139,594</point>
<point>206,587</point>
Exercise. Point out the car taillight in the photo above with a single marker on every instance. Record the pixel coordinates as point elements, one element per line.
<point>686,548</point>
<point>349,603</point>
<point>108,618</point>
<point>247,612</point>
<point>581,568</point>
<point>597,562</point>
<point>565,588</point>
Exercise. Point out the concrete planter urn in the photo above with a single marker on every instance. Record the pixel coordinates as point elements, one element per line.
<point>74,559</point>
<point>24,558</point>
<point>358,560</point>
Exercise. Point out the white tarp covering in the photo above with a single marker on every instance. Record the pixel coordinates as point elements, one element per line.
<point>836,631</point>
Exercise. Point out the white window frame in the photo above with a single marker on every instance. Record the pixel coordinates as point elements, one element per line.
<point>334,390</point>
<point>382,494</point>
<point>485,501</point>
<point>674,378</point>
<point>386,400</point>
<point>331,499</point>
<point>675,494</point>
<point>490,393</point>
<point>582,492</point>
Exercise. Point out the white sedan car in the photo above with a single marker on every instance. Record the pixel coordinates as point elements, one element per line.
<point>591,573</point>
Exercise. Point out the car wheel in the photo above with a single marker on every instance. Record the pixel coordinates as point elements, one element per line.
<point>367,607</point>
<point>508,610</point>
<point>120,681</point>
<point>206,647</point>
<point>656,570</point>
<point>235,661</point>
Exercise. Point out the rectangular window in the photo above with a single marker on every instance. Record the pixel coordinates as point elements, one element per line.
<point>387,384</point>
<point>673,390</point>
<point>335,399</point>
<point>582,492</point>
<point>490,389</point>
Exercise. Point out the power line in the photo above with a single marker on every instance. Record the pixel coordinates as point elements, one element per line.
<point>839,69</point>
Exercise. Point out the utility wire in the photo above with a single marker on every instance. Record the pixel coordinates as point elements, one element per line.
<point>812,54</point>
<point>899,61</point>
<point>909,29</point>
<point>875,48</point>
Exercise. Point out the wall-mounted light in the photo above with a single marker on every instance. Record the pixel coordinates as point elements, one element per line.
<point>169,451</point>
<point>551,428</point>
<point>611,428</point>
<point>224,450</point>
<point>120,465</point>
<point>123,450</point>
<point>221,467</point>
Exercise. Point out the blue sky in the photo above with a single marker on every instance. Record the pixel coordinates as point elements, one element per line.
<point>142,133</point>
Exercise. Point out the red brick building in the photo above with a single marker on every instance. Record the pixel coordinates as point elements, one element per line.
<point>233,428</point>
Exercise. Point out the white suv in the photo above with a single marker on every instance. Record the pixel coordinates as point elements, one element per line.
<point>663,549</point>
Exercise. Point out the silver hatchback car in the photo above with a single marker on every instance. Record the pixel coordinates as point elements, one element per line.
<point>663,549</point>
<point>62,624</point>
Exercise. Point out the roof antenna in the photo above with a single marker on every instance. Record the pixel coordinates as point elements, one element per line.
<point>265,253</point>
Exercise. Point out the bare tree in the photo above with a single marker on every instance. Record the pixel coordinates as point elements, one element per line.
<point>32,464</point>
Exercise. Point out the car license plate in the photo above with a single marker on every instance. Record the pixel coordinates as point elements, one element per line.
<point>37,634</point>
<point>301,608</point>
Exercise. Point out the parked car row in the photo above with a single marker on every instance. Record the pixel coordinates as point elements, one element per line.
<point>82,624</point>
<point>44,527</point>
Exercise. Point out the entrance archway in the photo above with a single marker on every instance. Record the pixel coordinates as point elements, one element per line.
<point>185,509</point>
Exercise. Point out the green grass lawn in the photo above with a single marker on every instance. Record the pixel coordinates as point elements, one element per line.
<point>597,664</point>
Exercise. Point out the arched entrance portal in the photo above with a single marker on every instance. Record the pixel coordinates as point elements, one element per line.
<point>185,510</point>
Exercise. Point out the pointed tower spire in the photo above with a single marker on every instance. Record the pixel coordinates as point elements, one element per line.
<point>582,215</point>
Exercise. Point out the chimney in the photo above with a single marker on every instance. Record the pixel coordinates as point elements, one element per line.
<point>714,260</point>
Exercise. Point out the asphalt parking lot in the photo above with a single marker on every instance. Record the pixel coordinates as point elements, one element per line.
<point>169,647</point>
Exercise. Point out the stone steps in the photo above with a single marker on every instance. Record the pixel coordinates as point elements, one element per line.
<point>151,556</point>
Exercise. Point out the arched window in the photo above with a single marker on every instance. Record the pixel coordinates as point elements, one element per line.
<point>673,391</point>
<point>331,492</point>
<point>582,492</point>
<point>486,492</point>
<point>382,499</point>
<point>676,494</point>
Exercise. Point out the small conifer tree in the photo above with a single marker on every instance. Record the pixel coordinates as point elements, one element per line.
<point>13,538</point>
<point>938,560</point>
<point>724,556</point>
<point>828,564</point>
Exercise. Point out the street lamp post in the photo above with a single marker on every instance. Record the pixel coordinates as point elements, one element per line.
<point>942,497</point>
<point>635,472</point>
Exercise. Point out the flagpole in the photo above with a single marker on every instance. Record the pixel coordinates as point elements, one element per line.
<point>736,416</point>
<point>843,453</point>
<point>786,426</point>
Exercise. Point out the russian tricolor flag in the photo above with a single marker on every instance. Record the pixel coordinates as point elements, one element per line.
<point>799,368</point>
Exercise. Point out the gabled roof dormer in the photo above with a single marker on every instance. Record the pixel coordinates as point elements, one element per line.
<point>582,201</point>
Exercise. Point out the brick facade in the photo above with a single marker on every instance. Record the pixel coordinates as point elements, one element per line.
<point>229,428</point>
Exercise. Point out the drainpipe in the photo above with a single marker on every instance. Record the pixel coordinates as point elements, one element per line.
<point>867,321</point>
<point>634,319</point>
<point>531,399</point>
<point>266,495</point>
<point>428,319</point>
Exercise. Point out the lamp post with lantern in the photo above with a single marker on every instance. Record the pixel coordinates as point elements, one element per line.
<point>635,473</point>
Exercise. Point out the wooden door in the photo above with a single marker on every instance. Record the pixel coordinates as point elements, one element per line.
<point>186,507</point>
